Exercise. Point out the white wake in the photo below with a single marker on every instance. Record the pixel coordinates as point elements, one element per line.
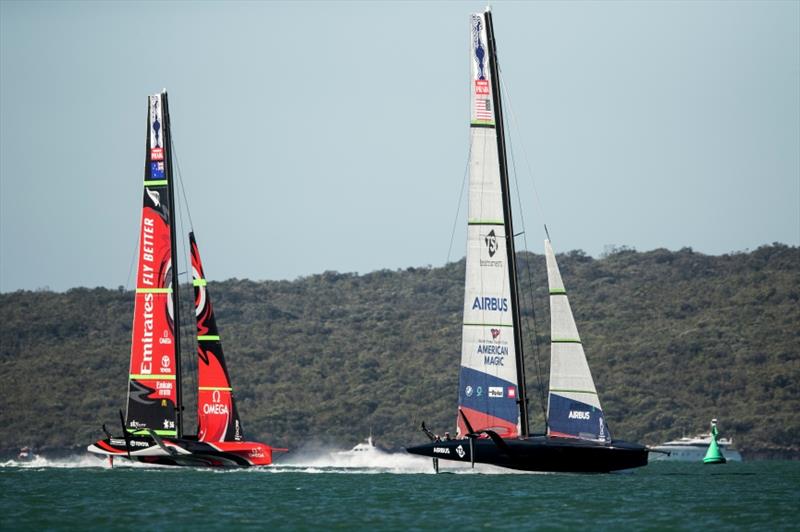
<point>304,460</point>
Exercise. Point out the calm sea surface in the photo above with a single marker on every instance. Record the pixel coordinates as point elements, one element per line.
<point>396,493</point>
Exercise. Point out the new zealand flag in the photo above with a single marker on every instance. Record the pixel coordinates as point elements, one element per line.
<point>157,170</point>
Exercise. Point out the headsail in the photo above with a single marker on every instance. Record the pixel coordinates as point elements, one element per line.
<point>488,388</point>
<point>153,387</point>
<point>217,418</point>
<point>573,408</point>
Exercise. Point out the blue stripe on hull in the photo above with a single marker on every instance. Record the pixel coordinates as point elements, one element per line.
<point>569,417</point>
<point>488,394</point>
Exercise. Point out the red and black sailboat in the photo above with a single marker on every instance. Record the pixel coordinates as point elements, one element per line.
<point>153,423</point>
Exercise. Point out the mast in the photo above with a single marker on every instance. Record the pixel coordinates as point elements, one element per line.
<point>174,257</point>
<point>522,395</point>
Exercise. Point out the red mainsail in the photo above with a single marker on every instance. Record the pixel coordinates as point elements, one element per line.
<point>152,388</point>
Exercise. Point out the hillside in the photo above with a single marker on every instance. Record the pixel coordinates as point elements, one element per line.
<point>673,339</point>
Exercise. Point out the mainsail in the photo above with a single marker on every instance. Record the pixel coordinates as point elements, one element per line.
<point>573,408</point>
<point>153,395</point>
<point>488,381</point>
<point>217,418</point>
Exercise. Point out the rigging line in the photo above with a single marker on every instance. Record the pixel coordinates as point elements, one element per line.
<point>458,207</point>
<point>536,353</point>
<point>180,181</point>
<point>130,266</point>
<point>524,152</point>
<point>187,338</point>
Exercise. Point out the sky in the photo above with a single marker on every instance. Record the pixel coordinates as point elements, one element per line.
<point>317,136</point>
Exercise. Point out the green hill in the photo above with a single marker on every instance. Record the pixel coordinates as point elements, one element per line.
<point>673,339</point>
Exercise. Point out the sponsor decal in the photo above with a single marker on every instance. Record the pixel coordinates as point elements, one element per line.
<point>512,392</point>
<point>165,339</point>
<point>496,391</point>
<point>169,424</point>
<point>164,389</point>
<point>256,452</point>
<point>146,365</point>
<point>441,450</point>
<point>216,406</point>
<point>478,46</point>
<point>132,443</point>
<point>157,170</point>
<point>468,391</point>
<point>491,243</point>
<point>495,333</point>
<point>156,154</point>
<point>491,246</point>
<point>492,349</point>
<point>579,414</point>
<point>481,87</point>
<point>148,248</point>
<point>499,304</point>
<point>165,361</point>
<point>478,391</point>
<point>460,451</point>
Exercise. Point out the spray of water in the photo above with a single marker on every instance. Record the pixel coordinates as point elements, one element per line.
<point>309,459</point>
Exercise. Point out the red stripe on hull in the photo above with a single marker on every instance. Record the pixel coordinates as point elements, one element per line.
<point>106,447</point>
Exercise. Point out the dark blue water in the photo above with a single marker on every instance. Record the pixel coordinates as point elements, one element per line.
<point>750,495</point>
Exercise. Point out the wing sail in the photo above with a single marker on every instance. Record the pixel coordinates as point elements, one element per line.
<point>152,385</point>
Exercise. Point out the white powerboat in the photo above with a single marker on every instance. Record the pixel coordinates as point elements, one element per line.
<point>688,449</point>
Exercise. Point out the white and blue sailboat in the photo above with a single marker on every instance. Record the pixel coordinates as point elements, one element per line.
<point>492,416</point>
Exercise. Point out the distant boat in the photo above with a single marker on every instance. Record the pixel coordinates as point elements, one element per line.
<point>492,404</point>
<point>26,454</point>
<point>694,449</point>
<point>152,427</point>
<point>364,448</point>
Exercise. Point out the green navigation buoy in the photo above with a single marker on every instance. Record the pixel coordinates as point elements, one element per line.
<point>713,454</point>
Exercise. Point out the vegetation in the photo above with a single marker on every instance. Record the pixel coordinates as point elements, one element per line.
<point>673,339</point>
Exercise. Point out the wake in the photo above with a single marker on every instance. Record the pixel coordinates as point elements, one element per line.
<point>311,461</point>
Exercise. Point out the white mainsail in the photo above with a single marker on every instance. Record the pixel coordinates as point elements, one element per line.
<point>488,377</point>
<point>573,408</point>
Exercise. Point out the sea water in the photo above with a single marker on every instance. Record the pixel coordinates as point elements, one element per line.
<point>394,491</point>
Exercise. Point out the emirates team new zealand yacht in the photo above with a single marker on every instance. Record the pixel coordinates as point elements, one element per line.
<point>492,414</point>
<point>152,428</point>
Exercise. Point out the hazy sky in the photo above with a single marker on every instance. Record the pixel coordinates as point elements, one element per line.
<point>317,136</point>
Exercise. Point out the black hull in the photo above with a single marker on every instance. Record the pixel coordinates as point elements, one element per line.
<point>185,452</point>
<point>540,453</point>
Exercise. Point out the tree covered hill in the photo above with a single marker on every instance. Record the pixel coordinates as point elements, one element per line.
<point>673,339</point>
